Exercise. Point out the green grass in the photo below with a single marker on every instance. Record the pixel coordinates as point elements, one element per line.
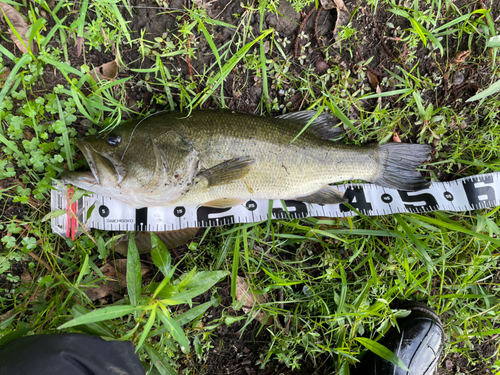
<point>331,285</point>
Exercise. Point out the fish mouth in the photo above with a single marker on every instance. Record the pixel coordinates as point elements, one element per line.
<point>83,180</point>
<point>83,146</point>
<point>106,168</point>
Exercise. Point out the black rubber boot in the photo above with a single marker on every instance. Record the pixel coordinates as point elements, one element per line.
<point>68,354</point>
<point>418,343</point>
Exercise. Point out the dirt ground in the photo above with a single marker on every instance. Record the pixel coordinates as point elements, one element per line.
<point>234,352</point>
<point>239,350</point>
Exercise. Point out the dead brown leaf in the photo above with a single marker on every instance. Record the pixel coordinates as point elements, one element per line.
<point>378,90</point>
<point>339,4</point>
<point>107,71</point>
<point>245,295</point>
<point>327,4</point>
<point>26,276</point>
<point>460,57</point>
<point>372,78</point>
<point>343,15</point>
<point>116,279</point>
<point>17,21</point>
<point>3,76</point>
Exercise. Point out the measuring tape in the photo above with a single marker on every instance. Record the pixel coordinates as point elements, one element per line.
<point>95,211</point>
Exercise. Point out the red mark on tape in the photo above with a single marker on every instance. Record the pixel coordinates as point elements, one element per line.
<point>71,209</point>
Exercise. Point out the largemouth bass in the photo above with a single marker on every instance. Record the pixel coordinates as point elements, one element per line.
<point>220,158</point>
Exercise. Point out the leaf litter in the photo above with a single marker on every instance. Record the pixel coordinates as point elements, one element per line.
<point>107,71</point>
<point>115,272</point>
<point>18,23</point>
<point>245,295</point>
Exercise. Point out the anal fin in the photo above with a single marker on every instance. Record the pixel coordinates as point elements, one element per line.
<point>325,195</point>
<point>224,202</point>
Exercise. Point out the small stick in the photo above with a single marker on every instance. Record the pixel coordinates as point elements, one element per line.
<point>387,48</point>
<point>320,42</point>
<point>32,296</point>
<point>222,11</point>
<point>445,86</point>
<point>41,261</point>
<point>301,28</point>
<point>385,45</point>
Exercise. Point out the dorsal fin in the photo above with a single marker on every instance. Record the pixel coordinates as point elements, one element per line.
<point>325,125</point>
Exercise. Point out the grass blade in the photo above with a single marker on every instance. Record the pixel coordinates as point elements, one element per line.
<point>338,113</point>
<point>99,328</point>
<point>12,77</point>
<point>420,30</point>
<point>51,33</point>
<point>214,82</point>
<point>421,249</point>
<point>451,23</point>
<point>13,147</point>
<point>225,248</point>
<point>160,361</point>
<point>174,329</point>
<point>382,351</point>
<point>457,228</point>
<point>493,89</point>
<point>146,329</point>
<point>160,255</point>
<point>7,53</point>
<point>100,315</point>
<point>65,136</point>
<point>236,264</point>
<point>195,312</point>
<point>343,293</point>
<point>384,94</point>
<point>121,21</point>
<point>81,25</point>
<point>214,50</point>
<point>134,276</point>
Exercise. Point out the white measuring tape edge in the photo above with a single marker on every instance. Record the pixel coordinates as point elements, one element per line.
<point>470,193</point>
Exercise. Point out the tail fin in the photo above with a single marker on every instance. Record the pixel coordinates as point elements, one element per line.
<point>397,166</point>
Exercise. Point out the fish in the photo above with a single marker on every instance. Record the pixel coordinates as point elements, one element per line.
<point>222,158</point>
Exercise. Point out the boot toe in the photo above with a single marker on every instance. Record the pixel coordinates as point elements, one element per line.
<point>418,343</point>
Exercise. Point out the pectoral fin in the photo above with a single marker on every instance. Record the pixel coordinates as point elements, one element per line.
<point>326,195</point>
<point>227,172</point>
<point>224,202</point>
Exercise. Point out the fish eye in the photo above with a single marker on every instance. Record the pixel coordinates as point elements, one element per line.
<point>113,140</point>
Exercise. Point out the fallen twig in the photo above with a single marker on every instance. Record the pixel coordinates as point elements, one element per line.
<point>301,28</point>
<point>320,42</point>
